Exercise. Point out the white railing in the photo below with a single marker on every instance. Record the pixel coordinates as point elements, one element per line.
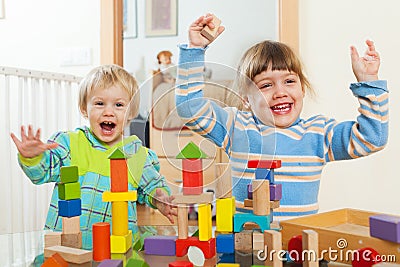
<point>46,100</point>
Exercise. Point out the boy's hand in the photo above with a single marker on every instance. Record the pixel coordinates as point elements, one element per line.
<point>30,145</point>
<point>365,68</point>
<point>163,204</point>
<point>195,37</point>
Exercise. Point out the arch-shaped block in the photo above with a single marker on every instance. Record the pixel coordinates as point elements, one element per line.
<point>239,219</point>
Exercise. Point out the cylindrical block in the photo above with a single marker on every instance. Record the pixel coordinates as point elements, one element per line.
<point>119,218</point>
<point>183,221</point>
<point>101,241</point>
<point>261,197</point>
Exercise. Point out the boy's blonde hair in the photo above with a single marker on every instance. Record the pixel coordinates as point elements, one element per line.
<point>266,54</point>
<point>106,76</point>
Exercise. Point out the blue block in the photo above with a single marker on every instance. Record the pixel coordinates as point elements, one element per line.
<point>225,243</point>
<point>69,208</point>
<point>227,258</point>
<point>265,174</point>
<point>239,219</point>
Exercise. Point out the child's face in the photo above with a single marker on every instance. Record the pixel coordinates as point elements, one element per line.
<point>106,110</point>
<point>165,60</point>
<point>277,99</point>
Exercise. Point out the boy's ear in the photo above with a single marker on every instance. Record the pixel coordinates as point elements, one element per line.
<point>84,113</point>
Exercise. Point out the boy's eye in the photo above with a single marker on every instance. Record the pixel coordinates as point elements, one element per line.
<point>266,85</point>
<point>98,103</point>
<point>290,81</point>
<point>120,104</point>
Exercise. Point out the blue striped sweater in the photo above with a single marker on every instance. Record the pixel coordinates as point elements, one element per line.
<point>304,148</point>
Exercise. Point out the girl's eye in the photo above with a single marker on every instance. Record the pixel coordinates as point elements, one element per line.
<point>98,103</point>
<point>290,81</point>
<point>119,105</point>
<point>266,85</point>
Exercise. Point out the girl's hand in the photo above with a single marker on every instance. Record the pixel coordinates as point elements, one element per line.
<point>365,68</point>
<point>30,145</point>
<point>163,204</point>
<point>195,38</point>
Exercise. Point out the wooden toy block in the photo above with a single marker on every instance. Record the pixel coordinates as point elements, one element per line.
<point>71,225</point>
<point>183,222</point>
<point>248,203</point>
<point>203,198</point>
<point>209,33</point>
<point>265,174</point>
<point>295,249</point>
<point>192,176</point>
<point>111,263</point>
<point>261,197</point>
<point>386,264</point>
<point>69,174</point>
<point>120,221</point>
<point>101,241</point>
<point>239,219</point>
<point>223,174</point>
<point>369,257</point>
<point>135,260</point>
<point>160,245</point>
<point>69,191</point>
<point>205,222</point>
<point>55,261</point>
<point>52,239</point>
<point>310,244</point>
<point>244,241</point>
<point>180,264</point>
<point>119,196</point>
<point>385,227</point>
<point>275,192</point>
<point>121,243</point>
<point>250,191</point>
<point>264,164</point>
<point>86,264</point>
<point>243,258</point>
<point>273,241</point>
<point>258,241</point>
<point>225,243</point>
<point>70,255</point>
<point>191,151</point>
<point>208,247</point>
<point>69,208</point>
<point>72,240</point>
<point>124,257</point>
<point>228,265</point>
<point>227,258</point>
<point>225,209</point>
<point>119,175</point>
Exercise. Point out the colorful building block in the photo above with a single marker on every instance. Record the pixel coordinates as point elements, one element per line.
<point>69,208</point>
<point>239,219</point>
<point>192,176</point>
<point>101,241</point>
<point>72,240</point>
<point>69,191</point>
<point>180,264</point>
<point>121,243</point>
<point>250,191</point>
<point>69,174</point>
<point>119,210</point>
<point>264,164</point>
<point>385,227</point>
<point>205,222</point>
<point>160,245</point>
<point>52,239</point>
<point>71,225</point>
<point>225,210</point>
<point>70,255</point>
<point>275,192</point>
<point>191,151</point>
<point>111,263</point>
<point>208,247</point>
<point>225,243</point>
<point>119,173</point>
<point>267,174</point>
<point>55,261</point>
<point>119,196</point>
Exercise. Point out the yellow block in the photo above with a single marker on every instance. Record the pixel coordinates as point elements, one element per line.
<point>119,213</point>
<point>205,222</point>
<point>228,265</point>
<point>121,243</point>
<point>225,211</point>
<point>119,196</point>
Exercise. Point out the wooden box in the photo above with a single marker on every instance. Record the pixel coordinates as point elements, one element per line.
<point>344,230</point>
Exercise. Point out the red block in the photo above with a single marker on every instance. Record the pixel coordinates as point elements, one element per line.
<point>192,175</point>
<point>180,264</point>
<point>208,247</point>
<point>295,248</point>
<point>264,164</point>
<point>368,257</point>
<point>101,241</point>
<point>119,175</point>
<point>55,261</point>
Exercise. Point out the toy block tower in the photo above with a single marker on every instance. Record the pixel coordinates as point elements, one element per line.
<point>192,176</point>
<point>69,204</point>
<point>121,236</point>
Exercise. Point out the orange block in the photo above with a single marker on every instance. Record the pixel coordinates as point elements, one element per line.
<point>119,175</point>
<point>55,261</point>
<point>101,241</point>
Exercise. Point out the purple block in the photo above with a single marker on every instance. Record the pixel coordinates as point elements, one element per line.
<point>385,227</point>
<point>111,263</point>
<point>160,245</point>
<point>250,191</point>
<point>275,192</point>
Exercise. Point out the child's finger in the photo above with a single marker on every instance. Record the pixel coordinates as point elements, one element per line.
<point>23,135</point>
<point>16,141</point>
<point>30,132</point>
<point>354,54</point>
<point>51,146</point>
<point>37,136</point>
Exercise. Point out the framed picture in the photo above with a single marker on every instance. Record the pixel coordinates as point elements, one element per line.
<point>129,19</point>
<point>161,18</point>
<point>2,9</point>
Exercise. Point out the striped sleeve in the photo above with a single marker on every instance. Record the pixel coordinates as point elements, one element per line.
<point>201,115</point>
<point>369,134</point>
<point>47,166</point>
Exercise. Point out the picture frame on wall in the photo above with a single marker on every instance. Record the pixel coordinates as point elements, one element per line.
<point>129,19</point>
<point>2,12</point>
<point>161,18</point>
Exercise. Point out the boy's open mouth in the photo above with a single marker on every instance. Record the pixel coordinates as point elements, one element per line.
<point>107,127</point>
<point>282,108</point>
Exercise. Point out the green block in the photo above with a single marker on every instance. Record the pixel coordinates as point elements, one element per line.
<point>69,174</point>
<point>191,151</point>
<point>136,260</point>
<point>69,191</point>
<point>118,153</point>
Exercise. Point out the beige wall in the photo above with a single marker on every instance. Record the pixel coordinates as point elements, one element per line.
<point>327,29</point>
